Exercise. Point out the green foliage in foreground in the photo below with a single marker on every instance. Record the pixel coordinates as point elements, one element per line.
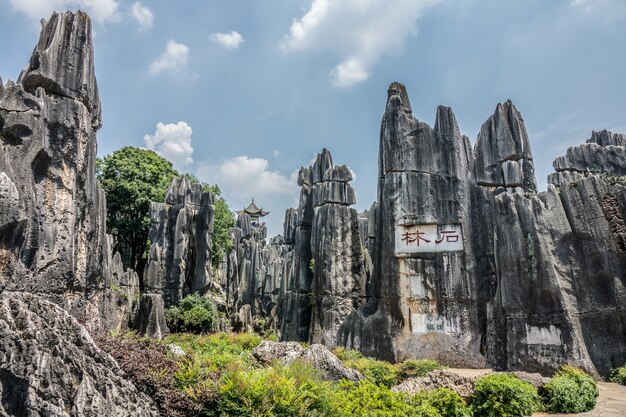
<point>571,390</point>
<point>194,313</point>
<point>504,395</point>
<point>218,377</point>
<point>619,375</point>
<point>219,351</point>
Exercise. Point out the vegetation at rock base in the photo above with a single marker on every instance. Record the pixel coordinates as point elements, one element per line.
<point>571,390</point>
<point>194,314</point>
<point>504,395</point>
<point>154,371</point>
<point>132,178</point>
<point>381,372</point>
<point>218,377</point>
<point>619,375</point>
<point>415,368</point>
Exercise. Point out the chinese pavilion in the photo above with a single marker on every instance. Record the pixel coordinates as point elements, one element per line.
<point>254,212</point>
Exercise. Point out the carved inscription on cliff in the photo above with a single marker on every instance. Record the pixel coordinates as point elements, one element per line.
<point>428,238</point>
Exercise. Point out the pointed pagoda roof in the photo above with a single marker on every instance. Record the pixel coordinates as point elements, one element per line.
<point>253,210</point>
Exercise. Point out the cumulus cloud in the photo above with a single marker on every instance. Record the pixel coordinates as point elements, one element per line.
<point>229,40</point>
<point>173,60</point>
<point>242,178</point>
<point>246,177</point>
<point>100,10</point>
<point>358,32</point>
<point>142,15</point>
<point>173,142</point>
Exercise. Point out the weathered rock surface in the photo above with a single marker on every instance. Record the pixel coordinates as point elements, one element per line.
<point>315,355</point>
<point>462,385</point>
<point>49,365</point>
<point>473,267</point>
<point>52,210</point>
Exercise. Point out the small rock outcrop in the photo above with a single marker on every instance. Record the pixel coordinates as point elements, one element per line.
<point>53,237</point>
<point>462,385</point>
<point>49,365</point>
<point>315,355</point>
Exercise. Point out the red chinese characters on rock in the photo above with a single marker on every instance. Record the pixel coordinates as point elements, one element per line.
<point>449,236</point>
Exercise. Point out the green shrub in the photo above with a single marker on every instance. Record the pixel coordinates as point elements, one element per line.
<point>365,399</point>
<point>447,402</point>
<point>275,391</point>
<point>377,372</point>
<point>218,351</point>
<point>571,390</point>
<point>347,354</point>
<point>504,395</point>
<point>194,314</point>
<point>413,368</point>
<point>619,375</point>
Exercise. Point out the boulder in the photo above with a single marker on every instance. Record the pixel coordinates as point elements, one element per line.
<point>462,385</point>
<point>318,356</point>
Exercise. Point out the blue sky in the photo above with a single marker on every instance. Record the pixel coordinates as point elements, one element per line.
<point>243,92</point>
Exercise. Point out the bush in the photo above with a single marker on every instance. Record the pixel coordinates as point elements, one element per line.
<point>377,372</point>
<point>619,375</point>
<point>218,351</point>
<point>194,314</point>
<point>347,354</point>
<point>147,364</point>
<point>447,402</point>
<point>571,390</point>
<point>276,391</point>
<point>413,368</point>
<point>367,399</point>
<point>504,395</point>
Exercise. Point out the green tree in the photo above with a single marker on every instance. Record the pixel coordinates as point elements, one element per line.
<point>223,222</point>
<point>132,178</point>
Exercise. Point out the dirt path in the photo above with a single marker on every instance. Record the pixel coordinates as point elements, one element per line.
<point>611,402</point>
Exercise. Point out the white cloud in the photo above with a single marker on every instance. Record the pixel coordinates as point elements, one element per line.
<point>173,60</point>
<point>100,10</point>
<point>608,9</point>
<point>242,178</point>
<point>173,142</point>
<point>276,153</point>
<point>230,40</point>
<point>142,15</point>
<point>358,32</point>
<point>246,177</point>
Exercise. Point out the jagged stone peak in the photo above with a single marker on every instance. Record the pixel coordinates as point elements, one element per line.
<point>607,138</point>
<point>397,96</point>
<point>323,162</point>
<point>502,151</point>
<point>183,191</point>
<point>62,62</point>
<point>445,122</point>
<point>1,88</point>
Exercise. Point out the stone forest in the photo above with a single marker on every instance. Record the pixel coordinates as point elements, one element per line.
<point>461,261</point>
